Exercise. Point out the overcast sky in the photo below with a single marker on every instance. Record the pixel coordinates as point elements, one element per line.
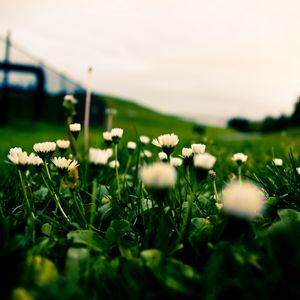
<point>190,57</point>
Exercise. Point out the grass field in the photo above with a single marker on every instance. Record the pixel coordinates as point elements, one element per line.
<point>148,230</point>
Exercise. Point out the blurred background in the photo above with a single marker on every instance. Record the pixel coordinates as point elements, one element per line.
<point>217,62</point>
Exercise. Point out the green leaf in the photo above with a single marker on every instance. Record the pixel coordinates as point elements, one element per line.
<point>171,272</point>
<point>41,194</point>
<point>43,269</point>
<point>76,263</point>
<point>272,201</point>
<point>46,229</point>
<point>125,252</point>
<point>116,230</point>
<point>89,238</point>
<point>289,214</point>
<point>146,204</point>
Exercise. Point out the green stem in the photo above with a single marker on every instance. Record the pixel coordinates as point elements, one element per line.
<point>54,195</point>
<point>93,204</point>
<point>216,191</point>
<point>187,219</point>
<point>240,174</point>
<point>128,164</point>
<point>30,212</point>
<point>117,172</point>
<point>79,208</point>
<point>47,171</point>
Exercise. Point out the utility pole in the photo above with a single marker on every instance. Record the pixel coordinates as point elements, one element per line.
<point>5,84</point>
<point>110,113</point>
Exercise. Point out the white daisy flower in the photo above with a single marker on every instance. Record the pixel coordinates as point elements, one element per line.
<point>34,160</point>
<point>45,149</point>
<point>175,162</point>
<point>219,205</point>
<point>63,144</point>
<point>70,98</point>
<point>243,199</point>
<point>64,164</point>
<point>205,161</point>
<point>17,157</point>
<point>114,164</point>
<point>162,156</point>
<point>239,158</point>
<point>158,175</point>
<point>187,152</point>
<point>198,148</point>
<point>298,170</point>
<point>146,153</point>
<point>15,150</point>
<point>144,139</point>
<point>212,174</point>
<point>107,136</point>
<point>117,133</point>
<point>75,127</point>
<point>131,145</point>
<point>277,162</point>
<point>98,156</point>
<point>166,141</point>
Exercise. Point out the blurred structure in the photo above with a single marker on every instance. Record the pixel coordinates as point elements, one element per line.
<point>110,112</point>
<point>32,90</point>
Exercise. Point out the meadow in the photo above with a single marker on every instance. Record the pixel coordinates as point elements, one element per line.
<point>121,221</point>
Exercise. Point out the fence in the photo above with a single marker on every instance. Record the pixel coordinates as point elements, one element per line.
<point>31,89</point>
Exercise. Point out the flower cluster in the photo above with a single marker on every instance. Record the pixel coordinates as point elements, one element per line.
<point>21,159</point>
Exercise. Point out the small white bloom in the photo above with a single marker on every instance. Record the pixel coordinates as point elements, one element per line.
<point>239,157</point>
<point>158,175</point>
<point>146,153</point>
<point>175,162</point>
<point>243,199</point>
<point>34,160</point>
<point>70,98</point>
<point>63,163</point>
<point>98,156</point>
<point>109,152</point>
<point>15,150</point>
<point>219,205</point>
<point>63,144</point>
<point>107,136</point>
<point>212,174</point>
<point>44,147</point>
<point>75,127</point>
<point>187,152</point>
<point>205,161</point>
<point>162,156</point>
<point>17,157</point>
<point>298,170</point>
<point>144,139</point>
<point>117,133</point>
<point>277,162</point>
<point>114,164</point>
<point>166,141</point>
<point>131,145</point>
<point>198,148</point>
<point>72,165</point>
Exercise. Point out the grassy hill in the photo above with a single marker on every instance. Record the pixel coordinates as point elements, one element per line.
<point>139,120</point>
<point>133,118</point>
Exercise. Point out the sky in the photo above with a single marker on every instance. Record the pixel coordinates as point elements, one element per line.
<point>211,60</point>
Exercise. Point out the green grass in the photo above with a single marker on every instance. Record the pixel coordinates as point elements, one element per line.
<point>98,233</point>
